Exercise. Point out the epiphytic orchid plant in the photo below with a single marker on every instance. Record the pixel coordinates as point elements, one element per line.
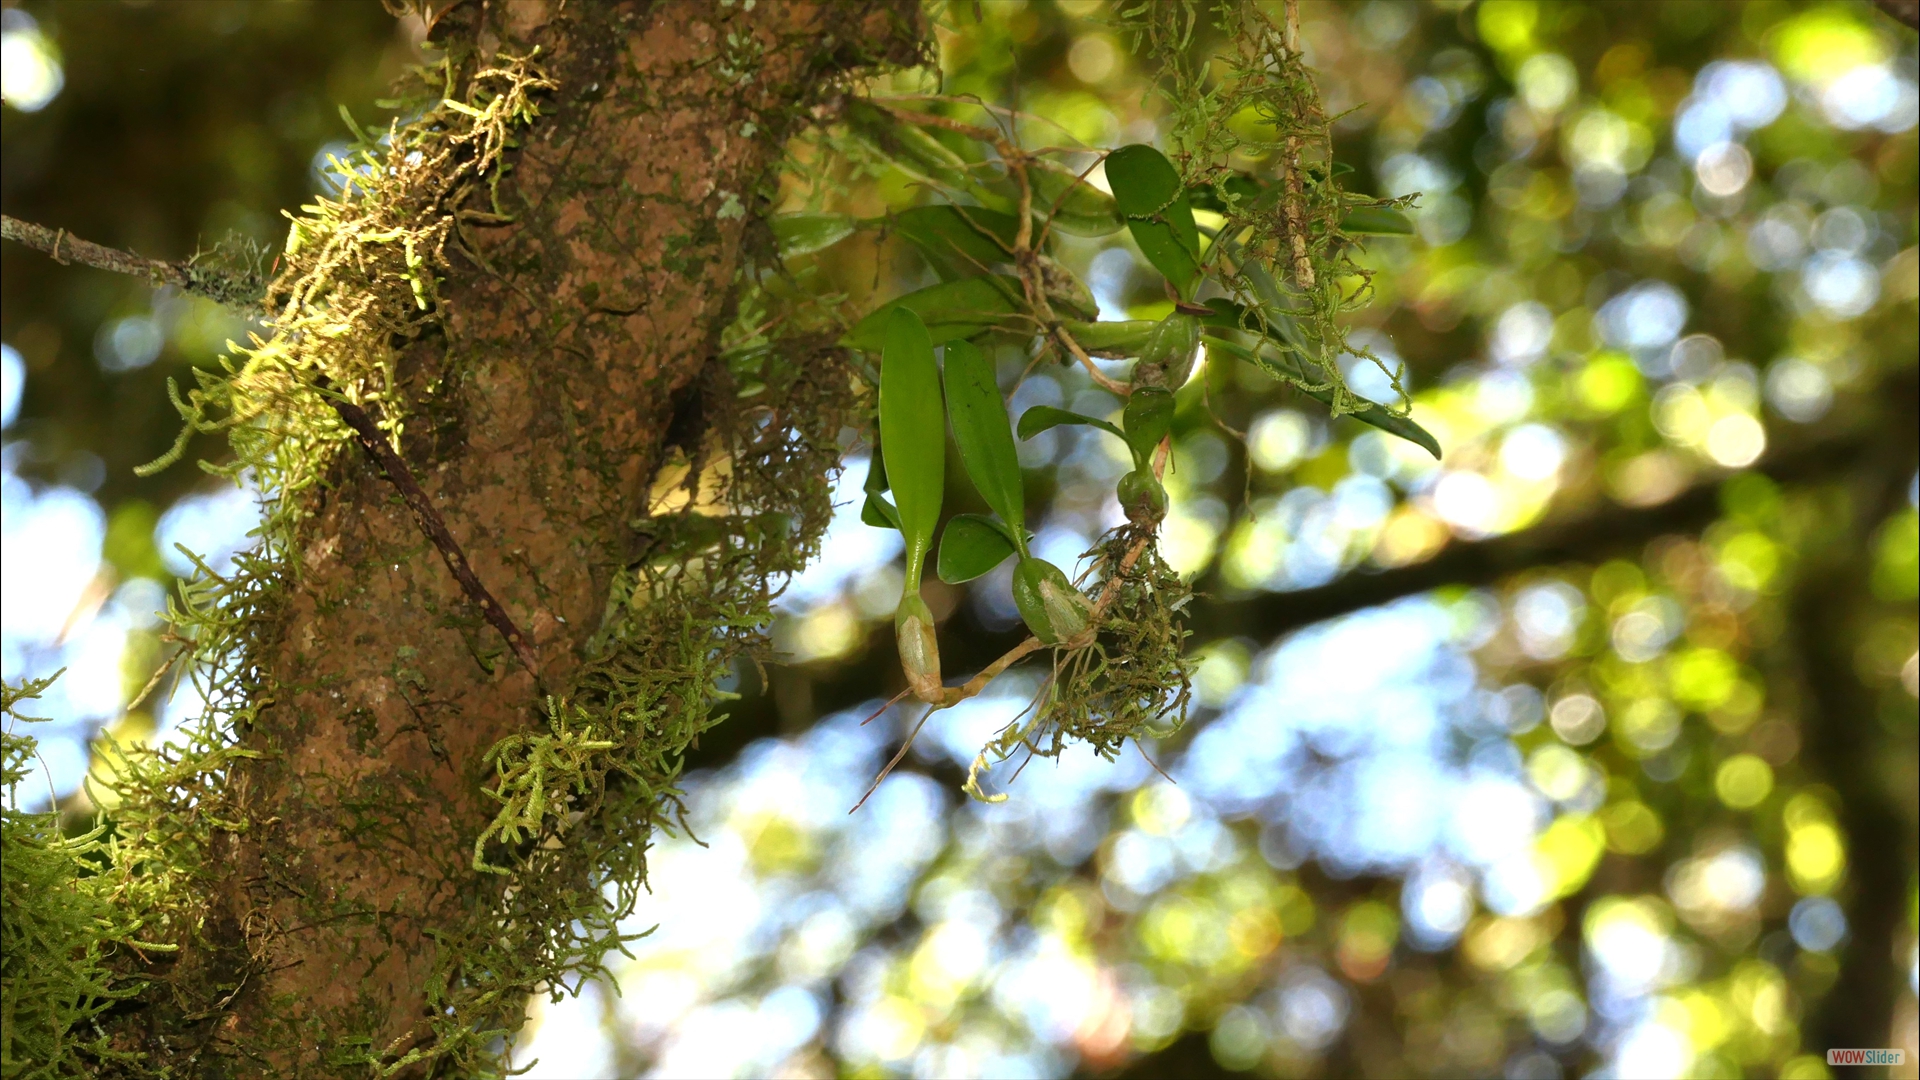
<point>1248,288</point>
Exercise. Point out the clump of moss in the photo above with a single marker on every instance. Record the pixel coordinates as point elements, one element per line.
<point>59,926</point>
<point>1132,680</point>
<point>359,277</point>
<point>579,800</point>
<point>1128,680</point>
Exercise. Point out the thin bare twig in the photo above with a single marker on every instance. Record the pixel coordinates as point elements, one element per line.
<point>904,747</point>
<point>375,444</point>
<point>66,248</point>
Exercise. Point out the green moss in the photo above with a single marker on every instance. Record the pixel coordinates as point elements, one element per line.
<point>564,859</point>
<point>1238,98</point>
<point>59,926</point>
<point>1131,681</point>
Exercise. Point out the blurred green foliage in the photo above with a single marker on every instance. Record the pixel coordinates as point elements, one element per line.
<point>1670,302</point>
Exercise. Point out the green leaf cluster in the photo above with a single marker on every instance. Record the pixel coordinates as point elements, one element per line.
<point>913,431</point>
<point>997,280</point>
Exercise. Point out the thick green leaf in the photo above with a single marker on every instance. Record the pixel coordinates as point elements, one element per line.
<point>1142,496</point>
<point>1077,207</point>
<point>1227,315</point>
<point>1067,295</point>
<point>1376,221</point>
<point>1125,338</point>
<point>1266,290</point>
<point>1147,419</point>
<point>913,151</point>
<point>1377,415</point>
<point>913,433</point>
<point>1374,414</point>
<point>985,437</point>
<point>971,545</point>
<point>1285,332</point>
<point>878,511</point>
<point>950,310</point>
<point>1041,417</point>
<point>804,234</point>
<point>1280,327</point>
<point>919,647</point>
<point>1168,357</point>
<point>960,241</point>
<point>1147,187</point>
<point>1274,307</point>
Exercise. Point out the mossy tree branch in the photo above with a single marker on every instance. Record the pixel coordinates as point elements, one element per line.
<point>1593,535</point>
<point>573,264</point>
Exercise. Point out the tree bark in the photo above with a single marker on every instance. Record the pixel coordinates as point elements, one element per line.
<point>538,415</point>
<point>1847,740</point>
<point>1906,12</point>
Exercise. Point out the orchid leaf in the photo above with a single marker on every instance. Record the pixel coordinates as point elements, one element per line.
<point>985,437</point>
<point>960,241</point>
<point>804,234</point>
<point>913,433</point>
<point>972,545</point>
<point>1041,417</point>
<point>1373,413</point>
<point>1376,221</point>
<point>950,311</point>
<point>1147,188</point>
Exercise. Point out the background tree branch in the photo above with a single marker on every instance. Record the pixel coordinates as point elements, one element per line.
<point>1906,12</point>
<point>1607,529</point>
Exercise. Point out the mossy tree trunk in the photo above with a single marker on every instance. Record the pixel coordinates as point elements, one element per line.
<point>538,418</point>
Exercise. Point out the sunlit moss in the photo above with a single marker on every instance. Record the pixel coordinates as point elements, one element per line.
<point>62,928</point>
